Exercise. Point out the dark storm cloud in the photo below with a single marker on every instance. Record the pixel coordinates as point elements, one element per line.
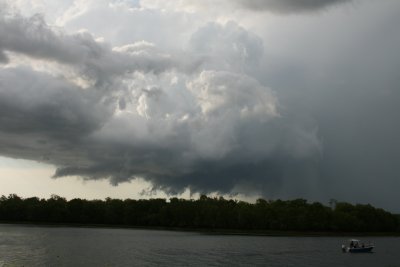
<point>346,81</point>
<point>205,151</point>
<point>41,115</point>
<point>46,105</point>
<point>215,129</point>
<point>288,6</point>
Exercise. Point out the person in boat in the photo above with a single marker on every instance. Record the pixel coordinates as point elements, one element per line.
<point>351,244</point>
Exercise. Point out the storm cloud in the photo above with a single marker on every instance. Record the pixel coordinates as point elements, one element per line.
<point>268,104</point>
<point>175,129</point>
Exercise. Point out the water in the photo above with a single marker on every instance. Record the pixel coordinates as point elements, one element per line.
<point>64,246</point>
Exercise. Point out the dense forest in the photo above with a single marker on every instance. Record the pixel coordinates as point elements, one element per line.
<point>203,213</point>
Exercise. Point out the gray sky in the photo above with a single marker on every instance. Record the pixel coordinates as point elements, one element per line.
<point>279,99</point>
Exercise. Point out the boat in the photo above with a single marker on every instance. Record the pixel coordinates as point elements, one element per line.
<point>356,246</point>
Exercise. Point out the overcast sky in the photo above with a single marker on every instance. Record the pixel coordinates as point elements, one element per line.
<point>263,98</point>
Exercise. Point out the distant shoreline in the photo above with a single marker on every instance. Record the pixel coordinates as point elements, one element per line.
<point>208,215</point>
<point>236,232</point>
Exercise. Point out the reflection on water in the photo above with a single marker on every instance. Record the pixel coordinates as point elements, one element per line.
<point>63,246</point>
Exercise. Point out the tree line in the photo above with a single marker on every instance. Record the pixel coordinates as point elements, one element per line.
<point>203,213</point>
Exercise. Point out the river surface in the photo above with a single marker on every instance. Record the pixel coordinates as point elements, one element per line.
<point>68,246</point>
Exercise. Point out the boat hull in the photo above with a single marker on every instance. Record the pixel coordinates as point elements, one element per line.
<point>360,250</point>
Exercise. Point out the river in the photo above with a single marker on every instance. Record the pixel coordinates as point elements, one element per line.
<point>22,245</point>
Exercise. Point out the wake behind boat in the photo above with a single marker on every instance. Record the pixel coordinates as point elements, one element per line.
<point>356,246</point>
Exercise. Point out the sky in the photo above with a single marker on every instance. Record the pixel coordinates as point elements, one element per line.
<point>149,98</point>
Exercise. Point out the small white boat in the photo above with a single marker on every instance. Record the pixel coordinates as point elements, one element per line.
<point>356,246</point>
